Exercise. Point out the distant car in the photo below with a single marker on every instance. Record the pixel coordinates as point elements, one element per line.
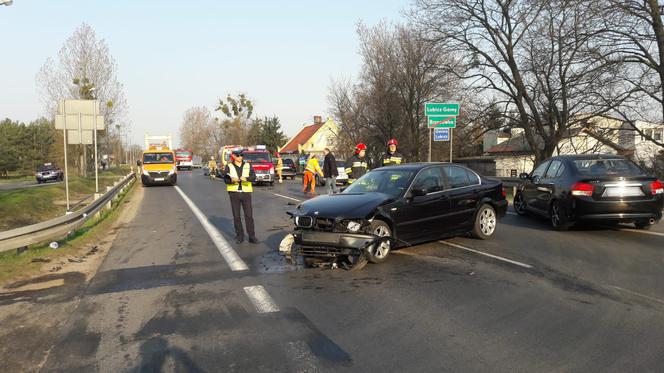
<point>394,206</point>
<point>598,187</point>
<point>289,169</point>
<point>49,172</point>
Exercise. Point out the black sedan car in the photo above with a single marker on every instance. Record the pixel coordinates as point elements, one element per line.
<point>49,172</point>
<point>289,170</point>
<point>396,206</point>
<point>607,188</point>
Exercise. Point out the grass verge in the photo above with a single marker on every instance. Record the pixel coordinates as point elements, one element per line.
<point>14,265</point>
<point>20,207</point>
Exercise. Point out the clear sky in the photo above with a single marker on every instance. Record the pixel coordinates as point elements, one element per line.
<point>173,55</point>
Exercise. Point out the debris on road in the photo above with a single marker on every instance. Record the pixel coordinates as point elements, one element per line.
<point>40,260</point>
<point>54,245</point>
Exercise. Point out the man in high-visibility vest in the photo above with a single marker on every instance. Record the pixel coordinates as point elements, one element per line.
<point>280,166</point>
<point>238,176</point>
<point>357,165</point>
<point>310,172</point>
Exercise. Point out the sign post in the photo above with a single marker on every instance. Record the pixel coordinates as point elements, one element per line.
<point>441,116</point>
<point>79,121</point>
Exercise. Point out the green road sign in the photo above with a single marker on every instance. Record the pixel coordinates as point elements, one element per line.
<point>442,122</point>
<point>438,109</point>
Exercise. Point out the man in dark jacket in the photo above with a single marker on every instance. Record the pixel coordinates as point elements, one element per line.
<point>330,171</point>
<point>391,157</point>
<point>238,176</point>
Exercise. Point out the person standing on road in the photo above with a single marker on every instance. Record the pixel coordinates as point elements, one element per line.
<point>310,172</point>
<point>330,171</point>
<point>357,165</point>
<point>280,166</point>
<point>238,177</point>
<point>391,156</point>
<point>212,166</point>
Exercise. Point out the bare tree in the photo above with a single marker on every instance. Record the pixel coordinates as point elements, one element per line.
<point>633,36</point>
<point>199,132</point>
<point>534,58</point>
<point>84,62</point>
<point>401,72</point>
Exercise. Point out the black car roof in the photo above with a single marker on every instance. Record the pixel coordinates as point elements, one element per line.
<point>575,157</point>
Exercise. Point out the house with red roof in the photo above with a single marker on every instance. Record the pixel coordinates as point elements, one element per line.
<point>312,138</point>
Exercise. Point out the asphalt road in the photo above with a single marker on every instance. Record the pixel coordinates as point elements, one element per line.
<point>171,296</point>
<point>25,184</point>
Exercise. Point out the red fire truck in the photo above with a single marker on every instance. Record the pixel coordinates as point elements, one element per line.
<point>183,159</point>
<point>261,161</point>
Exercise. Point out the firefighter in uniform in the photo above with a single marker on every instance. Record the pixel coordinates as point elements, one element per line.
<point>238,176</point>
<point>391,157</point>
<point>310,172</point>
<point>212,166</point>
<point>280,166</point>
<point>357,164</point>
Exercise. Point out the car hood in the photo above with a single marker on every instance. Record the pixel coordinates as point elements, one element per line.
<point>343,205</point>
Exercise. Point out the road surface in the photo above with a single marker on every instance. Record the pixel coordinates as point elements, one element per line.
<point>172,296</point>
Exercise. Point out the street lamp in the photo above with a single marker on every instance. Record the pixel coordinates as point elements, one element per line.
<point>6,2</point>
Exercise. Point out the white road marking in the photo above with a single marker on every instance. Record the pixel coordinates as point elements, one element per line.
<point>234,261</point>
<point>287,197</point>
<point>636,294</point>
<point>520,264</point>
<point>300,353</point>
<point>512,213</point>
<point>261,299</point>
<point>643,232</point>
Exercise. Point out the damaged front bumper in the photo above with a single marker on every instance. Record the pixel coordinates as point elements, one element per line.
<point>331,244</point>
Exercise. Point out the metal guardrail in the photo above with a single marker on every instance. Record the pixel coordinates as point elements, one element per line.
<point>60,226</point>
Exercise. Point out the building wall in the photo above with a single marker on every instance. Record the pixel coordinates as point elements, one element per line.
<point>513,165</point>
<point>323,138</point>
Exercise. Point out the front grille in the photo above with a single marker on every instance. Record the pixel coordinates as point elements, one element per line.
<point>158,173</point>
<point>324,224</point>
<point>304,221</point>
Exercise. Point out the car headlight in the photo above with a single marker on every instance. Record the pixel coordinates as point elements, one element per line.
<point>173,170</point>
<point>145,172</point>
<point>353,226</point>
<point>272,171</point>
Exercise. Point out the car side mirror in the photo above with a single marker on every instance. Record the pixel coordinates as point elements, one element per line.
<point>419,192</point>
<point>138,163</point>
<point>524,176</point>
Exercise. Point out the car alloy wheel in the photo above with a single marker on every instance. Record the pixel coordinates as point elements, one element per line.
<point>485,222</point>
<point>378,252</point>
<point>519,204</point>
<point>558,217</point>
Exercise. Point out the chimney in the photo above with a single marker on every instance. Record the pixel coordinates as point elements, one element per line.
<point>318,119</point>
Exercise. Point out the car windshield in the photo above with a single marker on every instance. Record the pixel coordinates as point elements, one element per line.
<point>257,157</point>
<point>183,154</point>
<point>392,182</point>
<point>47,168</point>
<point>155,158</point>
<point>607,167</point>
<point>341,164</point>
<point>289,162</point>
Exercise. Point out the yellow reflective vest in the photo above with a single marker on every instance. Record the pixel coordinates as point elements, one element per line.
<point>235,187</point>
<point>313,167</point>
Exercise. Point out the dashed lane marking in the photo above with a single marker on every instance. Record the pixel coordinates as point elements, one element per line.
<point>230,256</point>
<point>287,197</point>
<point>520,264</point>
<point>512,213</point>
<point>261,299</point>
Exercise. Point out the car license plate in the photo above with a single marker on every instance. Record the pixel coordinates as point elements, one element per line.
<point>623,192</point>
<point>320,237</point>
<point>159,179</point>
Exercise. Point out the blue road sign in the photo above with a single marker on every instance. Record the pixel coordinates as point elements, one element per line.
<point>441,134</point>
